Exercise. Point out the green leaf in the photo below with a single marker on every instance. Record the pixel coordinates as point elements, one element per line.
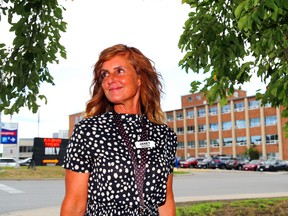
<point>270,4</point>
<point>239,9</point>
<point>243,22</point>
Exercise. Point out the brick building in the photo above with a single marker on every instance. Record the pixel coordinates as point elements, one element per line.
<point>205,130</point>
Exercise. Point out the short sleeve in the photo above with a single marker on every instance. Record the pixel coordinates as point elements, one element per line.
<point>77,157</point>
<point>172,147</point>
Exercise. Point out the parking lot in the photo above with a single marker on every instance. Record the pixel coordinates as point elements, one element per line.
<point>228,163</point>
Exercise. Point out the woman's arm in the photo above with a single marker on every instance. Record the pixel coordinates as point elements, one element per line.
<point>75,200</point>
<point>168,208</point>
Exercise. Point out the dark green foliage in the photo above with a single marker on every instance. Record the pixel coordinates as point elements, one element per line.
<point>231,41</point>
<point>252,153</point>
<point>37,26</point>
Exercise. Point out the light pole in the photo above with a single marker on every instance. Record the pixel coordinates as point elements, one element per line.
<point>38,121</point>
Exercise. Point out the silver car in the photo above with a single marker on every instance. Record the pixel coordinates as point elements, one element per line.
<point>7,162</point>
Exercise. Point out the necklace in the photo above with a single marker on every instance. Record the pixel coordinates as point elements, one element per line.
<point>139,168</point>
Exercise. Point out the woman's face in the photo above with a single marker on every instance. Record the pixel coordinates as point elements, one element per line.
<point>121,83</point>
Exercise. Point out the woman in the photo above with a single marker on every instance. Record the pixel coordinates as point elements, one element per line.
<point>120,158</point>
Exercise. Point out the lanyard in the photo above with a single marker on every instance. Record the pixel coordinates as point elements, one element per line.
<point>139,168</point>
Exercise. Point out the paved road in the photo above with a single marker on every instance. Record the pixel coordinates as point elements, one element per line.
<point>218,185</point>
<point>43,197</point>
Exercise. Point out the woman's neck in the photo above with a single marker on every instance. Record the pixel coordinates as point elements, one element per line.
<point>121,109</point>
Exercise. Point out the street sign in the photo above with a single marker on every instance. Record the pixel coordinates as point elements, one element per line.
<point>49,151</point>
<point>9,133</point>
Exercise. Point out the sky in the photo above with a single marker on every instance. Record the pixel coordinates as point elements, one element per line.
<point>153,26</point>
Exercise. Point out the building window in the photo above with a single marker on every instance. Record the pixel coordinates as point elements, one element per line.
<point>240,123</point>
<point>214,127</point>
<point>213,110</point>
<point>268,105</point>
<point>271,138</point>
<point>201,128</point>
<point>238,107</point>
<point>214,143</point>
<point>190,129</point>
<point>201,112</point>
<point>227,142</point>
<point>198,97</point>
<point>236,94</point>
<point>270,120</point>
<point>241,141</point>
<point>255,122</point>
<point>190,113</point>
<point>76,119</point>
<point>180,130</point>
<point>179,116</point>
<point>202,144</point>
<point>170,117</point>
<point>226,109</point>
<point>23,149</point>
<point>254,104</point>
<point>226,125</point>
<point>191,144</point>
<point>273,155</point>
<point>180,145</point>
<point>255,140</point>
<point>190,99</point>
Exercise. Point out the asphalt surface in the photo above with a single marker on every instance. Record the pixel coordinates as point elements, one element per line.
<point>55,210</point>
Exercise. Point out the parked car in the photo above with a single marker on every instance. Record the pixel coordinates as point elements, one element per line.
<point>235,163</point>
<point>272,165</point>
<point>252,165</point>
<point>219,162</point>
<point>7,162</point>
<point>25,162</point>
<point>191,162</point>
<point>204,163</point>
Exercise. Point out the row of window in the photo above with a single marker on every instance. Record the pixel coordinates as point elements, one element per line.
<point>25,149</point>
<point>198,97</point>
<point>270,155</point>
<point>253,122</point>
<point>214,110</point>
<point>240,141</point>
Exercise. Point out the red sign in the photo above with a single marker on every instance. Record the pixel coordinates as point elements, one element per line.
<point>8,133</point>
<point>52,142</point>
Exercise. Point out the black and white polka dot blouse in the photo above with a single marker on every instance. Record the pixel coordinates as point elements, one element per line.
<point>96,147</point>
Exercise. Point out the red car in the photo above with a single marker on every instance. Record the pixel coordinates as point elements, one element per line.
<point>191,162</point>
<point>252,165</point>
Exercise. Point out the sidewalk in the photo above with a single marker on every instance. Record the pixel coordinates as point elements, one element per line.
<point>49,211</point>
<point>55,211</point>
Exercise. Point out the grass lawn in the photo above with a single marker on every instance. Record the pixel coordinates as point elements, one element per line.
<point>41,172</point>
<point>249,207</point>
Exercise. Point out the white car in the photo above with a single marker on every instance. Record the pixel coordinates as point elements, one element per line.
<point>7,162</point>
<point>25,162</point>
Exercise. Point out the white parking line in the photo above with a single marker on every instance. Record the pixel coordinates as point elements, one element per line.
<point>10,189</point>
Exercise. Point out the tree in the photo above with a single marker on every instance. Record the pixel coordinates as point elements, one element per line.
<point>231,40</point>
<point>37,26</point>
<point>251,153</point>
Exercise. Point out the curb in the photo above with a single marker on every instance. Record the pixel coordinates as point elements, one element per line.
<point>55,210</point>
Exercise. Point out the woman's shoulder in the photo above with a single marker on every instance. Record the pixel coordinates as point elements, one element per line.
<point>93,121</point>
<point>164,128</point>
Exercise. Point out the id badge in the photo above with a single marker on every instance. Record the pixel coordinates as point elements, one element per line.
<point>145,144</point>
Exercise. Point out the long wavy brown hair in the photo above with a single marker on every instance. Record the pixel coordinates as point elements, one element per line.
<point>150,89</point>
